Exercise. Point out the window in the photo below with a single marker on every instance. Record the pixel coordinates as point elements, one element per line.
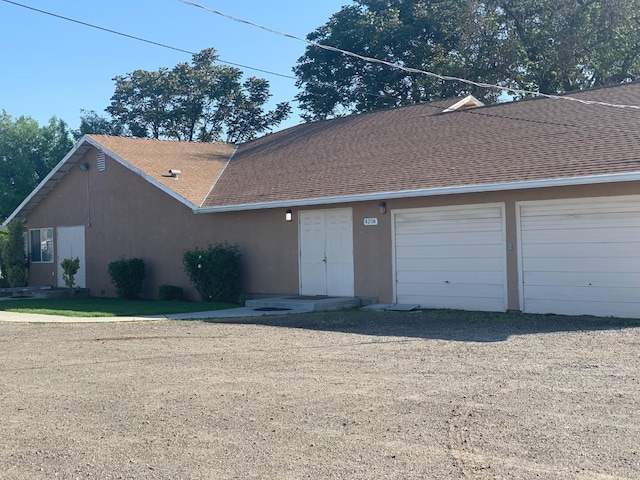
<point>41,245</point>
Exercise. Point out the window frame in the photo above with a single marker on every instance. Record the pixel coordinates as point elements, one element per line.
<point>48,237</point>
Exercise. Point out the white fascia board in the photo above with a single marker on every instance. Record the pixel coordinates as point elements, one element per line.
<point>35,191</point>
<point>429,192</point>
<point>137,171</point>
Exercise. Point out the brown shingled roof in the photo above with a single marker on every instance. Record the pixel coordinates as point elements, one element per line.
<point>200,164</point>
<point>411,148</point>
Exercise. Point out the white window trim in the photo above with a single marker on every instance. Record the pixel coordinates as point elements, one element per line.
<point>53,252</point>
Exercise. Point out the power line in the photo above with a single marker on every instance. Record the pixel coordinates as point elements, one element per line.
<point>407,69</point>
<point>140,39</point>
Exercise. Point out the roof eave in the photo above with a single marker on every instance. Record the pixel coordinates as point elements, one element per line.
<point>428,192</point>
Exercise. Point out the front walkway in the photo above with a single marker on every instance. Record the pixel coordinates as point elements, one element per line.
<point>280,305</point>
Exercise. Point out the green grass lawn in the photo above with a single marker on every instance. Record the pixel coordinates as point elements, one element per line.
<point>106,307</point>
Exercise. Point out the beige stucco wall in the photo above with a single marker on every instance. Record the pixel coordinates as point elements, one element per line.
<point>125,216</point>
<point>373,245</point>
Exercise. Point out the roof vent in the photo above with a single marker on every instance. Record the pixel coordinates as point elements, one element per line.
<point>174,173</point>
<point>467,102</point>
<point>100,162</point>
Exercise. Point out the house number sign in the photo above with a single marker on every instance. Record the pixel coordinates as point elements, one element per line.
<point>371,221</point>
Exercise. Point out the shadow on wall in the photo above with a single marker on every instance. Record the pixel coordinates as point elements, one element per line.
<point>438,324</point>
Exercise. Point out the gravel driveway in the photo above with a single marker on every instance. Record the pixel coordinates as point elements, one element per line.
<point>340,395</point>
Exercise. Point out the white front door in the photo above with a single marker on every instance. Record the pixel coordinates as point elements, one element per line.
<point>71,245</point>
<point>326,252</point>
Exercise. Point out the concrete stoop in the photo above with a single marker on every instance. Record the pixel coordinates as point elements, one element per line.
<point>303,304</point>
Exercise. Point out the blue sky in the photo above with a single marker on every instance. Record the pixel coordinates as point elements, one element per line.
<point>54,67</point>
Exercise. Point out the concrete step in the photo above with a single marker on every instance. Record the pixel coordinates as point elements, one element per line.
<point>303,303</point>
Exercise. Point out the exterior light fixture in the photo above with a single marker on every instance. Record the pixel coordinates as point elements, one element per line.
<point>83,166</point>
<point>288,215</point>
<point>382,207</point>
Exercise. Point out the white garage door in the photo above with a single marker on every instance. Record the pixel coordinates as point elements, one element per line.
<point>581,256</point>
<point>451,257</point>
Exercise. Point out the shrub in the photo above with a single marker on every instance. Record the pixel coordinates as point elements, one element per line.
<point>170,292</point>
<point>14,260</point>
<point>4,282</point>
<point>70,267</point>
<point>127,275</point>
<point>216,272</point>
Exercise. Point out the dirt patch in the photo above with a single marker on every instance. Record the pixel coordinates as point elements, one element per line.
<point>341,395</point>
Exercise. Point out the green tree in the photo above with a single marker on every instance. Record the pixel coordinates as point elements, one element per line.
<point>14,258</point>
<point>550,46</point>
<point>200,101</point>
<point>92,122</point>
<point>28,152</point>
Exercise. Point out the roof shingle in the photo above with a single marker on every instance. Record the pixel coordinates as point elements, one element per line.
<point>411,148</point>
<point>200,164</point>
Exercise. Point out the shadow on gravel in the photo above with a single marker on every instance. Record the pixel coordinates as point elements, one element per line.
<point>437,324</point>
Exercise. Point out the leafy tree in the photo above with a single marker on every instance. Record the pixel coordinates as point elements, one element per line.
<point>28,152</point>
<point>200,101</point>
<point>92,122</point>
<point>551,46</point>
<point>14,259</point>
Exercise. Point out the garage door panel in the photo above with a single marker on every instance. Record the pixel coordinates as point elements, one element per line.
<point>436,277</point>
<point>459,303</point>
<point>451,257</point>
<point>582,293</point>
<point>452,227</point>
<point>580,264</point>
<point>450,251</point>
<point>595,234</point>
<point>582,279</point>
<point>456,238</point>
<point>570,307</point>
<point>583,207</point>
<point>581,256</point>
<point>449,264</point>
<point>614,220</point>
<point>583,250</point>
<point>448,215</point>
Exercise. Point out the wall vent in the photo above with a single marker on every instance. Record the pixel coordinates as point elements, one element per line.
<point>101,163</point>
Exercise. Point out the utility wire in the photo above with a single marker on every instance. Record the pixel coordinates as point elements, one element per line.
<point>140,39</point>
<point>407,69</point>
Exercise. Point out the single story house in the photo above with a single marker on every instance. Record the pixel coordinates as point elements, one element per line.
<point>531,205</point>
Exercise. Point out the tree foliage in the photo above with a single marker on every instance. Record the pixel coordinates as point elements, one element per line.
<point>200,101</point>
<point>91,122</point>
<point>549,46</point>
<point>28,152</point>
<point>14,259</point>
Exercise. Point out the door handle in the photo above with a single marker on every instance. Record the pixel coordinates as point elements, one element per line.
<point>324,259</point>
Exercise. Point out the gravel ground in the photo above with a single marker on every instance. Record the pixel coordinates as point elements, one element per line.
<point>342,395</point>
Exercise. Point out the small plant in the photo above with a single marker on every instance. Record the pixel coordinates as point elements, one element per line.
<point>216,272</point>
<point>170,292</point>
<point>127,275</point>
<point>70,267</point>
